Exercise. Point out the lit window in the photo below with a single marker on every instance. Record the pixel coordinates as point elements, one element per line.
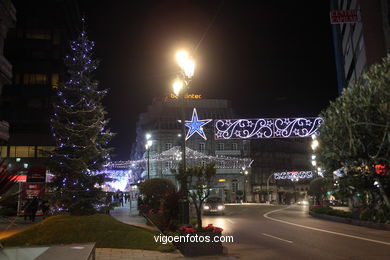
<point>54,80</point>
<point>3,151</point>
<point>34,79</point>
<point>56,38</point>
<point>38,34</point>
<point>43,150</point>
<point>22,151</point>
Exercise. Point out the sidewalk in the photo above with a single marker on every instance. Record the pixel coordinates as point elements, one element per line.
<point>129,215</point>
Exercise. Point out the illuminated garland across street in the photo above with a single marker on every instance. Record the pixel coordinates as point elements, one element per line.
<point>267,128</point>
<point>173,156</point>
<point>293,175</point>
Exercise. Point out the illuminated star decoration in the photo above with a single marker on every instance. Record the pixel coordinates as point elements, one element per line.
<point>196,125</point>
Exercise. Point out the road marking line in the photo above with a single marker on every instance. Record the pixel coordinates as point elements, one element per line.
<point>288,241</point>
<point>230,221</point>
<point>322,230</point>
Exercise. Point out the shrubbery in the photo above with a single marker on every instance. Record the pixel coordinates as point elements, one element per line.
<point>329,211</point>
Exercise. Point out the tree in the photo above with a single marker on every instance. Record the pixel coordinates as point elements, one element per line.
<point>200,180</point>
<point>155,190</point>
<point>79,127</point>
<point>355,135</point>
<point>318,188</point>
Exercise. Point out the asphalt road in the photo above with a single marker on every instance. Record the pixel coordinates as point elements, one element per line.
<point>288,232</point>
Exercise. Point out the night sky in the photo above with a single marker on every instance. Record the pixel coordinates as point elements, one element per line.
<point>270,58</point>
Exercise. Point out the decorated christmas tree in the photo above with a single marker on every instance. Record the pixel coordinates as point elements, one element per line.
<point>79,127</point>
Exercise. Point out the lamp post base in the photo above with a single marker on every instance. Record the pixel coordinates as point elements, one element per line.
<point>184,216</point>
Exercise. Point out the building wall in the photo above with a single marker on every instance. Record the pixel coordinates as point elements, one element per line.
<point>359,45</point>
<point>35,47</point>
<point>277,155</point>
<point>7,21</point>
<point>160,121</point>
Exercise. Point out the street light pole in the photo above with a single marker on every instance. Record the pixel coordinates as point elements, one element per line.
<point>148,145</point>
<point>268,196</point>
<point>180,88</point>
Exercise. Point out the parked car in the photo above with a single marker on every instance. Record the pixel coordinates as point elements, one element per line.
<point>213,205</point>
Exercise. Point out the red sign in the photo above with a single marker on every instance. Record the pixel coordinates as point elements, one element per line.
<point>344,16</point>
<point>381,169</point>
<point>30,191</point>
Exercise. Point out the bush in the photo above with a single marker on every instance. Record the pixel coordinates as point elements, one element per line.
<point>332,212</point>
<point>374,215</point>
<point>154,190</point>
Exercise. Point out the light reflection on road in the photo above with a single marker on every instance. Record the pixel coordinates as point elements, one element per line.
<point>218,221</point>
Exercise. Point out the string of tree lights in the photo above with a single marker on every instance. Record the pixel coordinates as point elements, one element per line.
<point>80,129</point>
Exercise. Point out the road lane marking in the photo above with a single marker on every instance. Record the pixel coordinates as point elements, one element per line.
<point>288,241</point>
<point>230,221</point>
<point>322,230</point>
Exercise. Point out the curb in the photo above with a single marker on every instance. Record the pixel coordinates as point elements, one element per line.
<point>381,226</point>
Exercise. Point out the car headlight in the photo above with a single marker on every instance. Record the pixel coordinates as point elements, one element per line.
<point>220,207</point>
<point>206,207</point>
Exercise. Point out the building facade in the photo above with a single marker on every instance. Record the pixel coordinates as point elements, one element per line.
<point>7,21</point>
<point>279,155</point>
<point>35,48</point>
<point>360,44</point>
<point>161,122</point>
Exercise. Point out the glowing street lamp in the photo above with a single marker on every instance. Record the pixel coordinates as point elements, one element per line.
<point>177,86</point>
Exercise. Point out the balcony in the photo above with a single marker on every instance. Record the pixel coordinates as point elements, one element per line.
<point>228,171</point>
<point>228,152</point>
<point>4,130</point>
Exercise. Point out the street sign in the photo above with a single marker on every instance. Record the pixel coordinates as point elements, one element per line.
<point>344,16</point>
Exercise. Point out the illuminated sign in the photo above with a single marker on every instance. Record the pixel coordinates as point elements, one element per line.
<point>381,169</point>
<point>344,16</point>
<point>189,96</point>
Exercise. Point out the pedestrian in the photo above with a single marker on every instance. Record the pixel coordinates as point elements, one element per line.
<point>26,209</point>
<point>45,206</point>
<point>33,208</point>
<point>121,198</point>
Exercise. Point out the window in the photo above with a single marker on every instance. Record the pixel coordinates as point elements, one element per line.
<point>203,163</point>
<point>54,80</point>
<point>34,79</point>
<point>17,78</point>
<point>56,38</point>
<point>42,150</point>
<point>168,165</point>
<point>168,146</point>
<point>39,34</point>
<point>22,151</point>
<point>201,146</point>
<point>3,151</point>
<point>234,185</point>
<point>220,146</point>
<point>234,146</point>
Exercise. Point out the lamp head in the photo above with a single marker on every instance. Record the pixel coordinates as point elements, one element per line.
<point>177,86</point>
